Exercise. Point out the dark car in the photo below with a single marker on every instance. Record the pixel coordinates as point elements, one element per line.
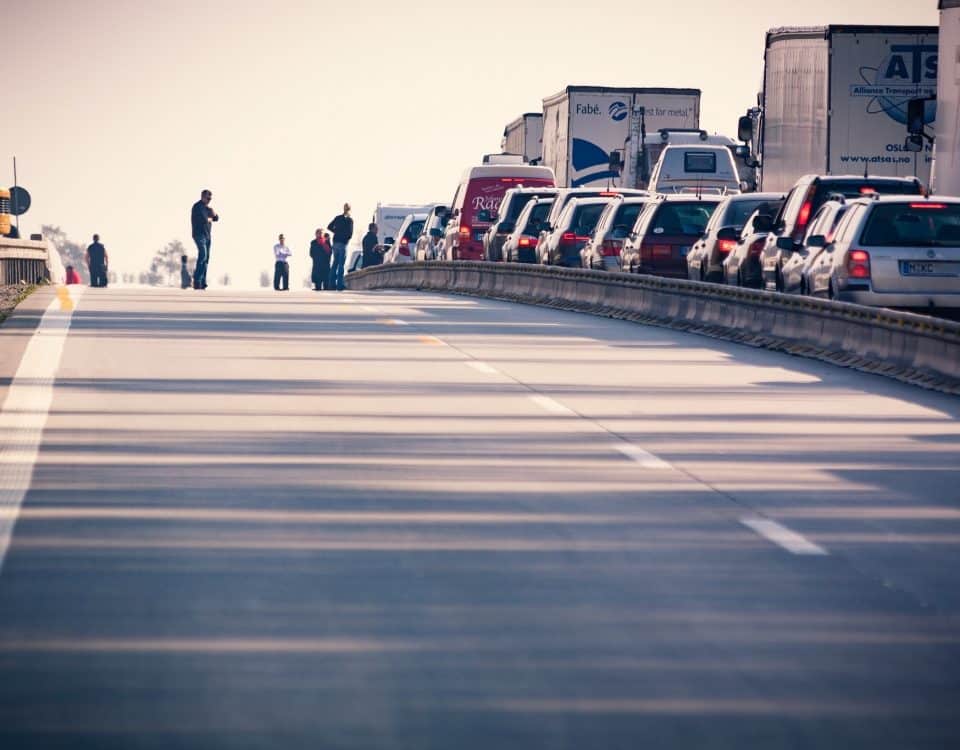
<point>742,264</point>
<point>705,260</point>
<point>664,233</point>
<point>602,251</point>
<point>564,195</point>
<point>820,233</point>
<point>802,203</point>
<point>573,228</point>
<point>513,203</point>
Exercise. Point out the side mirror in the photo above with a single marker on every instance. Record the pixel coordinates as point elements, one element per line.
<point>785,244</point>
<point>728,233</point>
<point>762,223</point>
<point>745,128</point>
<point>817,240</point>
<point>615,163</point>
<point>914,144</point>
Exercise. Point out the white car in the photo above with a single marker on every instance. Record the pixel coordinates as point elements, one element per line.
<point>893,251</point>
<point>406,240</point>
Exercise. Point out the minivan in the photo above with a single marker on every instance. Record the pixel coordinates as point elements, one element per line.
<point>689,168</point>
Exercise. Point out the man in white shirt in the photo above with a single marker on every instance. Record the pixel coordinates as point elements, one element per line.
<point>281,270</point>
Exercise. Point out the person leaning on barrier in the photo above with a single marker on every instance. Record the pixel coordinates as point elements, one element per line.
<point>97,262</point>
<point>201,218</point>
<point>370,255</point>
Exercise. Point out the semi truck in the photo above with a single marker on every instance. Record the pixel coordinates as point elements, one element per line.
<point>834,101</point>
<point>582,125</point>
<point>524,136</point>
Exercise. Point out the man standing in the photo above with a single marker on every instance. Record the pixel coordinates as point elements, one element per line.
<point>370,255</point>
<point>201,218</point>
<point>320,255</point>
<point>342,228</point>
<point>97,262</point>
<point>281,269</point>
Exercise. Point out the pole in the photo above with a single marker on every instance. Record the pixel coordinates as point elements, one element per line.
<point>17,208</point>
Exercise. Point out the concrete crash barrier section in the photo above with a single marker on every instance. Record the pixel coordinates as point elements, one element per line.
<point>912,348</point>
<point>28,261</point>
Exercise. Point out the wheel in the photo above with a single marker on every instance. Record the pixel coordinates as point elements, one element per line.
<point>831,290</point>
<point>778,279</point>
<point>703,272</point>
<point>739,278</point>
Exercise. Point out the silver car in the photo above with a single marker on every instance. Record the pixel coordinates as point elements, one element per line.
<point>822,229</point>
<point>402,250</point>
<point>893,251</point>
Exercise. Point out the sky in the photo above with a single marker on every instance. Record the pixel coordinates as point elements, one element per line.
<point>120,111</point>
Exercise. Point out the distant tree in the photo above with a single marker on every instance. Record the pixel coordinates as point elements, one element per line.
<point>265,279</point>
<point>166,263</point>
<point>71,253</point>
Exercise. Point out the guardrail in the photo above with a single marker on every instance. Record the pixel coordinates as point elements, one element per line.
<point>912,348</point>
<point>28,261</point>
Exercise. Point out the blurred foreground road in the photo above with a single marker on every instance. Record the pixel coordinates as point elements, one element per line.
<point>366,520</point>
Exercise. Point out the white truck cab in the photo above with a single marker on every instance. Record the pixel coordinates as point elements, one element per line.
<point>695,168</point>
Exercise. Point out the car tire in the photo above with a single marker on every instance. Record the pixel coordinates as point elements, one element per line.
<point>739,278</point>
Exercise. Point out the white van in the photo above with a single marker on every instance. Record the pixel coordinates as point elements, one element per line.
<point>695,168</point>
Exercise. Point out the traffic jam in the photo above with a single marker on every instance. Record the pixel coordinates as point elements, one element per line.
<point>840,203</point>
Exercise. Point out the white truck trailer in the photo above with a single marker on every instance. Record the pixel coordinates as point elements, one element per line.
<point>946,171</point>
<point>834,101</point>
<point>524,136</point>
<point>582,125</point>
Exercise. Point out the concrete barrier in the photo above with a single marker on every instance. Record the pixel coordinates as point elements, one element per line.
<point>28,261</point>
<point>913,348</point>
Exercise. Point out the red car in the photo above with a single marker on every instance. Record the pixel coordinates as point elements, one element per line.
<point>664,233</point>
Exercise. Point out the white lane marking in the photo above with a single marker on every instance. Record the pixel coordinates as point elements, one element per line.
<point>646,459</point>
<point>554,407</point>
<point>484,368</point>
<point>787,538</point>
<point>24,413</point>
<point>371,309</point>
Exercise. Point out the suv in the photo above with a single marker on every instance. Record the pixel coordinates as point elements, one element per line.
<point>664,233</point>
<point>521,245</point>
<point>430,242</point>
<point>573,228</point>
<point>402,250</point>
<point>513,202</point>
<point>805,199</point>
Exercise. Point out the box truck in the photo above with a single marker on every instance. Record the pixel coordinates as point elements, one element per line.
<point>389,218</point>
<point>524,136</point>
<point>582,125</point>
<point>834,101</point>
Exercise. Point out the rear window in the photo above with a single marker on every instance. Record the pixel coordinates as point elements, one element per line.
<point>682,218</point>
<point>414,230</point>
<point>738,212</point>
<point>860,188</point>
<point>700,162</point>
<point>627,216</point>
<point>922,224</point>
<point>537,214</point>
<point>585,218</point>
<point>516,205</point>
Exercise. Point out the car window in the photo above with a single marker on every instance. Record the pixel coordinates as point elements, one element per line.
<point>682,218</point>
<point>738,212</point>
<point>860,188</point>
<point>844,230</point>
<point>585,218</point>
<point>700,162</point>
<point>536,216</point>
<point>413,230</point>
<point>920,224</point>
<point>822,219</point>
<point>627,215</point>
<point>517,204</point>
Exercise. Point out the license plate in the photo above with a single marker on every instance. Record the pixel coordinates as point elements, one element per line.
<point>928,268</point>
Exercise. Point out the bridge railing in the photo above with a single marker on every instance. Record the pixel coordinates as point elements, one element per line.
<point>29,261</point>
<point>913,348</point>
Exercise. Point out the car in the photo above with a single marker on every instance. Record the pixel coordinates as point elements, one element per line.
<point>664,232</point>
<point>893,251</point>
<point>477,198</point>
<point>698,168</point>
<point>402,250</point>
<point>741,267</point>
<point>706,256</point>
<point>802,203</point>
<point>602,251</point>
<point>565,240</point>
<point>512,204</point>
<point>823,227</point>
<point>429,245</point>
<point>564,195</point>
<point>521,244</point>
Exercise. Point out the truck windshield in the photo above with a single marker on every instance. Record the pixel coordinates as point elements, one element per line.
<point>921,224</point>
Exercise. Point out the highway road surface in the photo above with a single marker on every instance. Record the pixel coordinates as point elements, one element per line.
<point>392,520</point>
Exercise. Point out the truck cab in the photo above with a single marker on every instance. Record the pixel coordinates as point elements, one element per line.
<point>685,168</point>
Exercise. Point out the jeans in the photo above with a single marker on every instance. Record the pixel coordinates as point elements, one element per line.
<point>203,257</point>
<point>281,275</point>
<point>98,274</point>
<point>336,269</point>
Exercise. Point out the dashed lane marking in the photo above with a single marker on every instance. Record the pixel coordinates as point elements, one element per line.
<point>780,535</point>
<point>554,407</point>
<point>484,368</point>
<point>430,341</point>
<point>646,459</point>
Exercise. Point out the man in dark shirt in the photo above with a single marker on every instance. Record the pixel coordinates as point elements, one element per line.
<point>201,218</point>
<point>97,262</point>
<point>370,255</point>
<point>342,228</point>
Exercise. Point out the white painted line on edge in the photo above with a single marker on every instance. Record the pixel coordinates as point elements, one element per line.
<point>784,537</point>
<point>23,416</point>
<point>371,309</point>
<point>646,459</point>
<point>484,368</point>
<point>554,407</point>
<point>395,322</point>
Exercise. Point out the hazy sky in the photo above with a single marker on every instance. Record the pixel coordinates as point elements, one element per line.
<point>120,111</point>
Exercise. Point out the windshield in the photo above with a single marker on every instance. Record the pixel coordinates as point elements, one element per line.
<point>537,214</point>
<point>682,218</point>
<point>922,224</point>
<point>585,218</point>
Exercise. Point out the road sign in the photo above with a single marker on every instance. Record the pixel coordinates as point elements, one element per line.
<point>19,201</point>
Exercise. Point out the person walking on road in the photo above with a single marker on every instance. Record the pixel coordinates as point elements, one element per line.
<point>201,219</point>
<point>281,270</point>
<point>97,262</point>
<point>370,255</point>
<point>342,228</point>
<point>320,255</point>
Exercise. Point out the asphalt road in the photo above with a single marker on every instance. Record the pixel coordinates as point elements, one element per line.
<point>383,520</point>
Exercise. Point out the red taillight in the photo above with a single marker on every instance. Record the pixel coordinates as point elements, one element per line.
<point>405,247</point>
<point>858,264</point>
<point>725,246</point>
<point>611,248</point>
<point>465,232</point>
<point>568,237</point>
<point>866,190</point>
<point>662,250</point>
<point>804,216</point>
<point>756,247</point>
<point>933,206</point>
<point>528,241</point>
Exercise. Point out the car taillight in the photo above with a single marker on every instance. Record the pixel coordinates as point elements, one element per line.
<point>725,246</point>
<point>662,250</point>
<point>858,264</point>
<point>933,206</point>
<point>804,216</point>
<point>611,248</point>
<point>405,247</point>
<point>465,233</point>
<point>756,247</point>
<point>568,237</point>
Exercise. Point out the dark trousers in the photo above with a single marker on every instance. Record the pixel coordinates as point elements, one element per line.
<point>203,258</point>
<point>281,273</point>
<point>321,274</point>
<point>98,274</point>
